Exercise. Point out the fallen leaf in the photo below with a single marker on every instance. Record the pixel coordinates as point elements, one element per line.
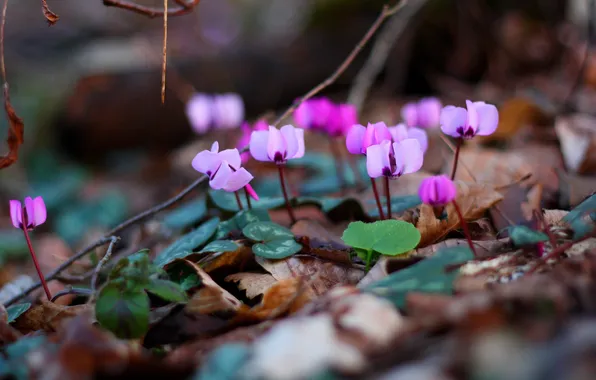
<point>316,231</point>
<point>16,132</point>
<point>577,135</point>
<point>47,316</point>
<point>210,297</point>
<point>473,200</point>
<point>254,284</point>
<point>490,166</point>
<point>236,259</point>
<point>555,217</point>
<point>50,16</point>
<point>322,275</point>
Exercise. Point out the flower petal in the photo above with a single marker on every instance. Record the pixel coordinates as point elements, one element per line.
<point>377,159</point>
<point>409,114</point>
<point>303,115</point>
<point>220,179</point>
<point>488,119</point>
<point>228,110</point>
<point>253,194</point>
<point>348,116</point>
<point>215,147</point>
<point>259,141</point>
<point>30,212</point>
<point>354,139</point>
<point>276,144</point>
<point>300,139</point>
<point>410,154</point>
<point>429,112</point>
<point>472,116</point>
<point>289,136</point>
<point>206,162</point>
<point>453,118</point>
<point>39,211</point>
<point>237,180</point>
<point>16,213</point>
<point>399,132</point>
<point>381,132</point>
<point>420,135</point>
<point>199,112</point>
<point>232,156</point>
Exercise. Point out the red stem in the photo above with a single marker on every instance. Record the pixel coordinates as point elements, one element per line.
<point>388,197</point>
<point>238,200</point>
<point>456,158</point>
<point>247,198</point>
<point>374,187</point>
<point>283,189</point>
<point>464,226</point>
<point>37,268</point>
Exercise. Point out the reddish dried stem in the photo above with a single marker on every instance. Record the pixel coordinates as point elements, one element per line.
<point>240,207</point>
<point>247,198</point>
<point>34,257</point>
<point>376,192</point>
<point>464,226</point>
<point>283,189</point>
<point>456,158</point>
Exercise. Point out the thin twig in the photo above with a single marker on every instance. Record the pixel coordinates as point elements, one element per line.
<point>70,290</point>
<point>164,53</point>
<point>385,13</point>
<point>2,25</point>
<point>102,262</point>
<point>153,12</point>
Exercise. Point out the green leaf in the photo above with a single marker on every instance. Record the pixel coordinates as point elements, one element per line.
<point>125,313</point>
<point>186,215</point>
<point>522,235</point>
<point>582,217</point>
<point>167,290</point>
<point>226,201</point>
<point>241,220</point>
<point>272,240</point>
<point>14,311</point>
<point>398,204</point>
<point>224,363</point>
<point>388,237</point>
<point>220,246</point>
<point>426,276</point>
<point>184,275</point>
<point>185,245</point>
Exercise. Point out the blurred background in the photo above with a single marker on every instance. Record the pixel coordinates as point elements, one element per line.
<point>100,146</point>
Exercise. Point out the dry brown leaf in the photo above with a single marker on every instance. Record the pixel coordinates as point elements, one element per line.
<point>555,217</point>
<point>47,316</point>
<point>254,284</point>
<point>315,231</point>
<point>210,297</point>
<point>534,200</point>
<point>577,135</point>
<point>473,200</point>
<point>236,259</point>
<point>50,16</point>
<point>16,132</point>
<point>321,275</point>
<point>490,166</point>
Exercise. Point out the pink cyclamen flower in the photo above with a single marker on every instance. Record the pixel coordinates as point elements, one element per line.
<point>393,160</point>
<point>228,111</point>
<point>315,113</point>
<point>277,145</point>
<point>345,116</point>
<point>34,212</point>
<point>359,138</point>
<point>423,114</point>
<point>199,112</point>
<point>223,168</point>
<point>260,125</point>
<point>400,132</point>
<point>478,119</point>
<point>437,191</point>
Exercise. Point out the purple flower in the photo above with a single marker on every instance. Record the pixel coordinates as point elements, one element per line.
<point>359,138</point>
<point>223,168</point>
<point>316,113</point>
<point>437,191</point>
<point>400,132</point>
<point>423,114</point>
<point>277,145</point>
<point>33,215</point>
<point>260,125</point>
<point>479,119</point>
<point>394,159</point>
<point>199,112</point>
<point>345,116</point>
<point>228,111</point>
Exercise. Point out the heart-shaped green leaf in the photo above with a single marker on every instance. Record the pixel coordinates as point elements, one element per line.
<point>272,240</point>
<point>167,290</point>
<point>125,313</point>
<point>186,215</point>
<point>427,276</point>
<point>185,245</point>
<point>388,237</point>
<point>241,220</point>
<point>522,235</point>
<point>14,311</point>
<point>220,246</point>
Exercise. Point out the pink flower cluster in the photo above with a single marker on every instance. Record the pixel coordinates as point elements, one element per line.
<point>224,111</point>
<point>322,115</point>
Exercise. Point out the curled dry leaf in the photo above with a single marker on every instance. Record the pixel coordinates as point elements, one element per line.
<point>48,14</point>
<point>577,135</point>
<point>254,284</point>
<point>47,316</point>
<point>235,259</point>
<point>210,297</point>
<point>473,200</point>
<point>16,132</point>
<point>322,275</point>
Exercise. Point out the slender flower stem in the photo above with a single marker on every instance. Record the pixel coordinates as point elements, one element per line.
<point>464,226</point>
<point>37,268</point>
<point>456,158</point>
<point>388,197</point>
<point>238,200</point>
<point>283,189</point>
<point>247,198</point>
<point>374,187</point>
<point>338,164</point>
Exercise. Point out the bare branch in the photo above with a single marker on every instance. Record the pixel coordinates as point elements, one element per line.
<point>152,12</point>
